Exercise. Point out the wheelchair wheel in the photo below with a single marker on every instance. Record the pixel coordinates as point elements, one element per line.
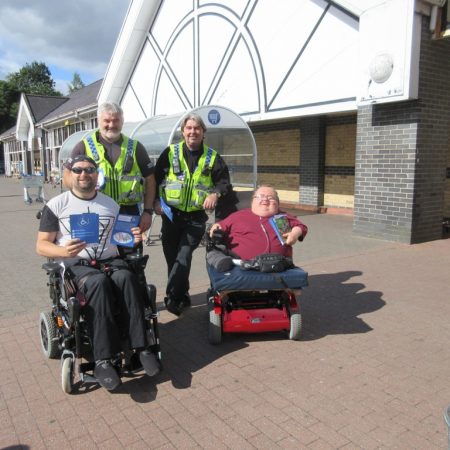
<point>214,328</point>
<point>67,375</point>
<point>295,330</point>
<point>49,335</point>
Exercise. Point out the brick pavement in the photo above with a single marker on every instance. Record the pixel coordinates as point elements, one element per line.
<point>372,371</point>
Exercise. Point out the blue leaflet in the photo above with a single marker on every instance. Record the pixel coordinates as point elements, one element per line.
<point>121,233</point>
<point>85,227</point>
<point>166,209</point>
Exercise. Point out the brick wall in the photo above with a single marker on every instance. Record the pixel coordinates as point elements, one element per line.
<point>278,158</point>
<point>340,164</point>
<point>446,205</point>
<point>401,156</point>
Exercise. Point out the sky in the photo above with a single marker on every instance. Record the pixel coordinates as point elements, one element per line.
<point>68,36</point>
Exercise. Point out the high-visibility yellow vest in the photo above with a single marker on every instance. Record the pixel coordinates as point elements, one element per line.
<point>183,190</point>
<point>123,182</point>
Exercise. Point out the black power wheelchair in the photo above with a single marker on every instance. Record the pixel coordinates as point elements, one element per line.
<point>64,333</point>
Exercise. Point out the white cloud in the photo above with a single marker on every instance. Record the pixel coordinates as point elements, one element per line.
<point>68,36</point>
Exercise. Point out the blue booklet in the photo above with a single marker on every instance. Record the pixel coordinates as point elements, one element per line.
<point>85,227</point>
<point>166,209</point>
<point>280,224</point>
<point>121,233</point>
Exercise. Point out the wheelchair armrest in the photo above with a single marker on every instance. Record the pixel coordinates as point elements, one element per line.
<point>137,261</point>
<point>51,267</point>
<point>136,257</point>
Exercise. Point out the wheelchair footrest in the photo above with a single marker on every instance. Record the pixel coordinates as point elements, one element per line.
<point>87,373</point>
<point>87,367</point>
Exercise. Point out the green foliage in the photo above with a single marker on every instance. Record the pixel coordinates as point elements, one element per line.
<point>76,83</point>
<point>34,78</point>
<point>9,99</point>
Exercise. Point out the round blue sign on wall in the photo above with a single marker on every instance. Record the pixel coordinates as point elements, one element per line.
<point>214,116</point>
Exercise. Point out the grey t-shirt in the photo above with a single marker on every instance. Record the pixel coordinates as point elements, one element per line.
<point>56,218</point>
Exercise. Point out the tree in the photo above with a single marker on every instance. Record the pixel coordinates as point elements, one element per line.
<point>9,99</point>
<point>34,78</point>
<point>76,83</point>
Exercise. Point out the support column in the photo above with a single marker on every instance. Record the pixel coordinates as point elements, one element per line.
<point>312,161</point>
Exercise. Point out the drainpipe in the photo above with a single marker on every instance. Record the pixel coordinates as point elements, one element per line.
<point>45,161</point>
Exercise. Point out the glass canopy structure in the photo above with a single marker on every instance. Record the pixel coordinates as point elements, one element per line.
<point>226,132</point>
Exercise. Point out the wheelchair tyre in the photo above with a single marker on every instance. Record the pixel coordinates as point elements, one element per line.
<point>295,330</point>
<point>215,328</point>
<point>67,375</point>
<point>49,335</point>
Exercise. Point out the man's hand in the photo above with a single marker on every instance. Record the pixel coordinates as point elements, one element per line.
<point>145,222</point>
<point>211,201</point>
<point>137,233</point>
<point>213,228</point>
<point>73,247</point>
<point>293,236</point>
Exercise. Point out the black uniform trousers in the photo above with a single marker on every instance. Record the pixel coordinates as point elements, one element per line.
<point>179,240</point>
<point>115,308</point>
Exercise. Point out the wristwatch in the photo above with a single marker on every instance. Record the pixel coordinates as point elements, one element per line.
<point>217,193</point>
<point>148,211</point>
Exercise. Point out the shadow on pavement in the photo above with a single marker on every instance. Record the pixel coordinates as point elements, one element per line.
<point>332,305</point>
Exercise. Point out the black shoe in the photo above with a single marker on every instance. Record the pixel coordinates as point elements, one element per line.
<point>172,306</point>
<point>149,362</point>
<point>186,302</point>
<point>107,375</point>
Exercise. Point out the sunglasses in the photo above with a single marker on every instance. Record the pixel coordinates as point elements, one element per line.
<point>78,170</point>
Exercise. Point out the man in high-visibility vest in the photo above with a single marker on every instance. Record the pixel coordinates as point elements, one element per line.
<point>126,172</point>
<point>191,177</point>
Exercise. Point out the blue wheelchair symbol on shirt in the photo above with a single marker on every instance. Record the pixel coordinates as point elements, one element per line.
<point>214,117</point>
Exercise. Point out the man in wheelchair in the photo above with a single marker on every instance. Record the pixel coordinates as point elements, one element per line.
<point>254,231</point>
<point>254,284</point>
<point>105,280</point>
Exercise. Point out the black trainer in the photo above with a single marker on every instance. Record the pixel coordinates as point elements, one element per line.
<point>149,362</point>
<point>172,306</point>
<point>107,375</point>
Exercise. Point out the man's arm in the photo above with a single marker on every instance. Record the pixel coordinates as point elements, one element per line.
<point>161,168</point>
<point>221,179</point>
<point>149,200</point>
<point>147,170</point>
<point>295,235</point>
<point>298,230</point>
<point>45,246</point>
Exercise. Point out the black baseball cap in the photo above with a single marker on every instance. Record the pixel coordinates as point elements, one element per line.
<point>71,161</point>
